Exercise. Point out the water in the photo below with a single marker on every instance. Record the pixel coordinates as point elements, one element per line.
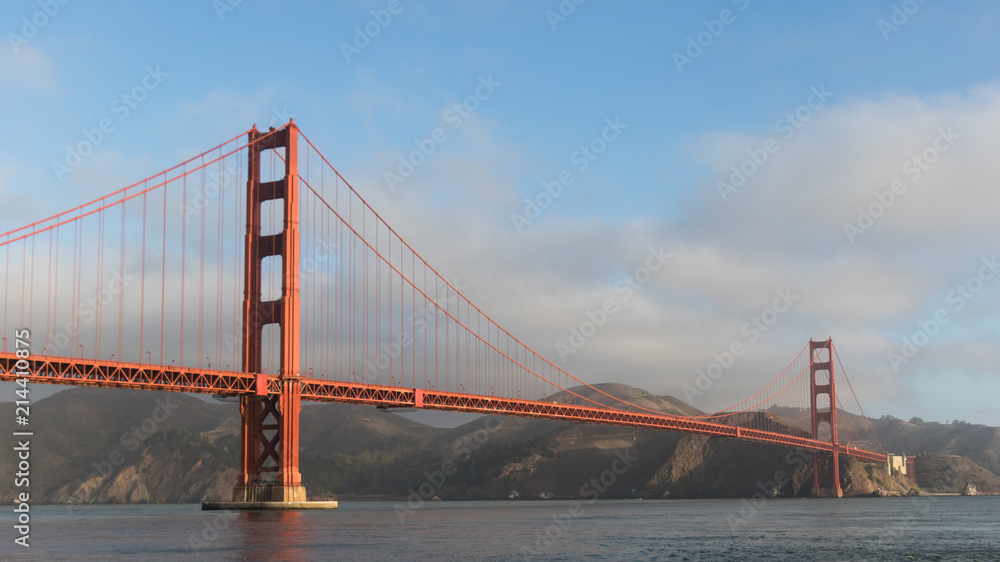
<point>942,528</point>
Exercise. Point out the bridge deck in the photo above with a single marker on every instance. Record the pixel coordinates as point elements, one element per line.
<point>89,372</point>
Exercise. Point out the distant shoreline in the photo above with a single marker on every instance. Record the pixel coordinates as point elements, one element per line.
<point>505,500</point>
<point>957,494</point>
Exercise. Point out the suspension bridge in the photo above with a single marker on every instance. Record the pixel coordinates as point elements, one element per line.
<point>294,288</point>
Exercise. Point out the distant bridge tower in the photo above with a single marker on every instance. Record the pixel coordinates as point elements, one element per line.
<point>269,452</point>
<point>823,399</point>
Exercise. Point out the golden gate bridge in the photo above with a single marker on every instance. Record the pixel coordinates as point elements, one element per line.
<point>295,288</point>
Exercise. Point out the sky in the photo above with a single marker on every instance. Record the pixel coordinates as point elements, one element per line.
<point>763,172</point>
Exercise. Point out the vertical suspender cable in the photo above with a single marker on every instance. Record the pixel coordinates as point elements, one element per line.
<point>163,269</point>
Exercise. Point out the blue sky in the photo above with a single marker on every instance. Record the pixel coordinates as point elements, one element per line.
<point>921,82</point>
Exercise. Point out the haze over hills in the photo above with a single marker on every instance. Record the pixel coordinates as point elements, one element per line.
<point>119,446</point>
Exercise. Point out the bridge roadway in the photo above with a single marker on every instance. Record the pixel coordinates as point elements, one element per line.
<point>114,374</point>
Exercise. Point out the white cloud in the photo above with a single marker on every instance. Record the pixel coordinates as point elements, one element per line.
<point>784,229</point>
<point>833,164</point>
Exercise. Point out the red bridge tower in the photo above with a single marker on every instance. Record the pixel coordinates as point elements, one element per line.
<point>823,398</point>
<point>269,453</point>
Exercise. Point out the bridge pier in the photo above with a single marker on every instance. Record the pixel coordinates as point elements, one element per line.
<point>269,440</point>
<point>826,464</point>
<point>267,430</point>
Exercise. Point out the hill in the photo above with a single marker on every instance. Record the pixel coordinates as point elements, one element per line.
<point>950,474</point>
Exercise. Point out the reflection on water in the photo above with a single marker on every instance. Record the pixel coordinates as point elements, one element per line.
<point>269,535</point>
<point>947,528</point>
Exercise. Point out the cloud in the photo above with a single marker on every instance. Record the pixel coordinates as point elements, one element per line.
<point>783,229</point>
<point>815,183</point>
<point>28,69</point>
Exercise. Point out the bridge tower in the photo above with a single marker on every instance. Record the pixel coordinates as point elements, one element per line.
<point>269,452</point>
<point>822,389</point>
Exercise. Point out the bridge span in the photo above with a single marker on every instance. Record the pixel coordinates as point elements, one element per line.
<point>296,284</point>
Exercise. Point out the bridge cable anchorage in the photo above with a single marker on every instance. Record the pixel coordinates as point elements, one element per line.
<point>305,290</point>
